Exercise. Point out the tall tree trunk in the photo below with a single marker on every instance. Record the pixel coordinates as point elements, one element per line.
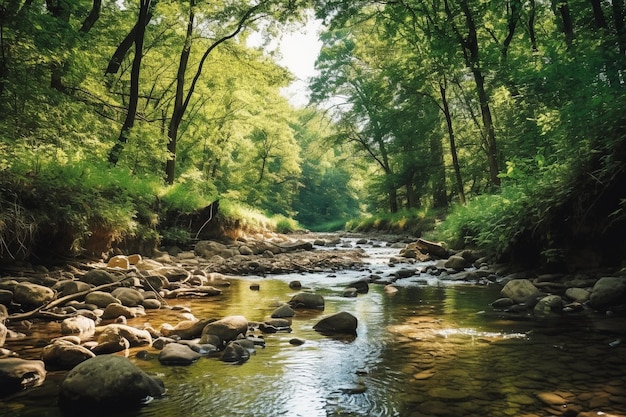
<point>455,158</point>
<point>180,107</point>
<point>531,25</point>
<point>177,116</point>
<point>514,14</point>
<point>438,176</point>
<point>561,9</point>
<point>133,100</point>
<point>60,10</point>
<point>469,44</point>
<point>618,19</point>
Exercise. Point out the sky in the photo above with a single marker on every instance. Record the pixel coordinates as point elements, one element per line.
<point>299,50</point>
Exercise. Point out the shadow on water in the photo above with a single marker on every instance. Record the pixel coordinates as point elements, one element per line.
<point>427,350</point>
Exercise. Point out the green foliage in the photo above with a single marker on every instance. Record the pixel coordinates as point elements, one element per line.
<point>285,224</point>
<point>415,222</point>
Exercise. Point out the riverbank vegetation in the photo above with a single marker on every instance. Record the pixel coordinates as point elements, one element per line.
<point>492,124</point>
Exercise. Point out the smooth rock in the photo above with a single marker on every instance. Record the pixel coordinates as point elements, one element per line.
<point>32,295</point>
<point>341,323</point>
<point>136,337</point>
<point>178,355</point>
<point>520,291</point>
<point>608,292</point>
<point>63,354</point>
<point>100,299</point>
<point>80,325</point>
<point>307,300</point>
<point>227,329</point>
<point>97,277</point>
<point>129,297</point>
<point>283,311</point>
<point>108,381</point>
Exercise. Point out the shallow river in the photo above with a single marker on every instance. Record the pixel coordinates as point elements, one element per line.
<point>431,349</point>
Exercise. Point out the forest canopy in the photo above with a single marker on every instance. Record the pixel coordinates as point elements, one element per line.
<point>504,117</point>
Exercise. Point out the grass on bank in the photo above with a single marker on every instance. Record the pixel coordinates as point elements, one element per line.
<point>414,222</point>
<point>65,206</point>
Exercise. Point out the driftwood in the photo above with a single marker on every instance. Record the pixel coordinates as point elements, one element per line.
<point>41,311</point>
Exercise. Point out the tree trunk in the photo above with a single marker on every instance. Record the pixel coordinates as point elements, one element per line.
<point>453,152</point>
<point>177,115</point>
<point>618,19</point>
<point>438,176</point>
<point>561,9</point>
<point>472,60</point>
<point>133,101</point>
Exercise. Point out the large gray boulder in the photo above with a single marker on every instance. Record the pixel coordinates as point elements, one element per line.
<point>520,291</point>
<point>608,292</point>
<point>307,300</point>
<point>339,323</point>
<point>226,329</point>
<point>108,381</point>
<point>17,374</point>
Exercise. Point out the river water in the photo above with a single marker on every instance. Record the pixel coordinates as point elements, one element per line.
<point>434,348</point>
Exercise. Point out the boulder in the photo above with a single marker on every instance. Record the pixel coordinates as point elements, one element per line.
<point>70,286</point>
<point>227,329</point>
<point>63,354</point>
<point>108,381</point>
<point>97,277</point>
<point>178,354</point>
<point>32,295</point>
<point>361,285</point>
<point>431,248</point>
<point>187,329</point>
<point>283,311</point>
<point>456,262</point>
<point>17,374</point>
<point>520,291</point>
<point>136,337</point>
<point>580,295</point>
<point>549,305</point>
<point>174,274</point>
<point>119,261</point>
<point>340,323</point>
<point>101,299</point>
<point>307,300</point>
<point>235,352</point>
<point>608,292</point>
<point>115,310</point>
<point>79,325</point>
<point>129,297</point>
<point>111,342</point>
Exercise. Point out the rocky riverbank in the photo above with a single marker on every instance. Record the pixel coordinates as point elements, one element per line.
<point>91,302</point>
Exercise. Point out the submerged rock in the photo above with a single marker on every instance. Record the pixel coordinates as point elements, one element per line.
<point>108,381</point>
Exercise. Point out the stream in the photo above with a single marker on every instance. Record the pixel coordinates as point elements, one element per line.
<point>434,348</point>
